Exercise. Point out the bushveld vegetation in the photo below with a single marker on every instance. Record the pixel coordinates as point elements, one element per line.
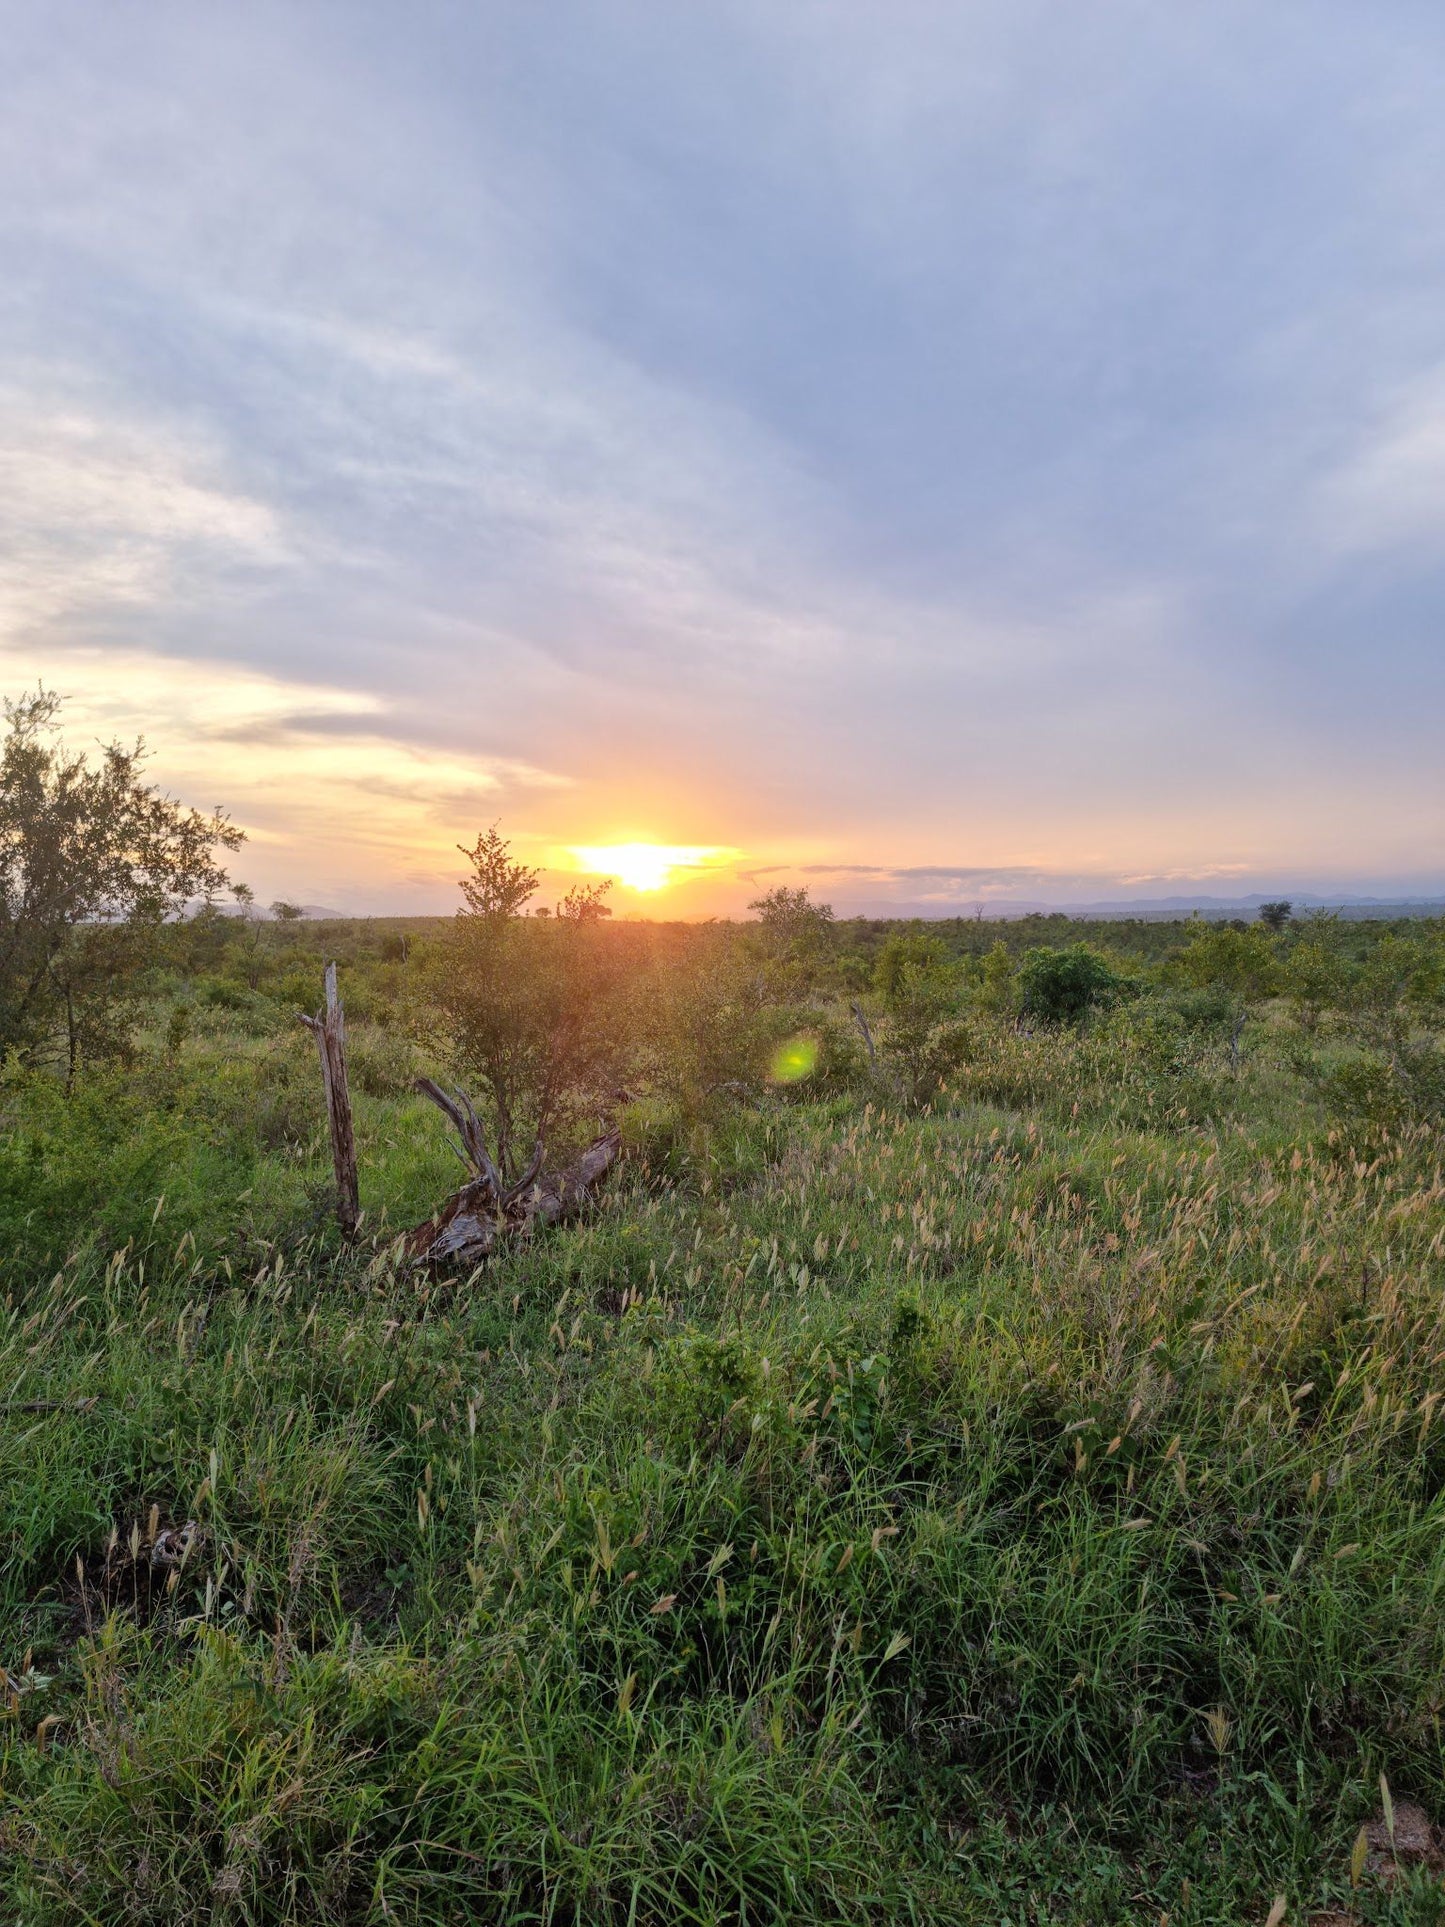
<point>981,1459</point>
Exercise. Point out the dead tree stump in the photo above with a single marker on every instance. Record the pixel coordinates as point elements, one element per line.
<point>474,1220</point>
<point>328,1027</point>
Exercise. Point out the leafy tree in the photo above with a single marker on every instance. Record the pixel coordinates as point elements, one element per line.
<point>1397,976</point>
<point>923,1040</point>
<point>1276,916</point>
<point>854,970</point>
<point>911,964</point>
<point>1315,978</point>
<point>921,1046</point>
<point>998,988</point>
<point>1235,959</point>
<point>794,940</point>
<point>793,924</point>
<point>255,938</point>
<point>530,1010</point>
<point>288,915</point>
<point>711,1024</point>
<point>1238,960</point>
<point>92,860</point>
<point>201,941</point>
<point>583,903</point>
<point>498,886</point>
<point>1060,986</point>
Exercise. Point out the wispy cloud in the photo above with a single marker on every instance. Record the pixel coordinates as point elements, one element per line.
<point>309,773</point>
<point>785,429</point>
<point>1390,491</point>
<point>103,512</point>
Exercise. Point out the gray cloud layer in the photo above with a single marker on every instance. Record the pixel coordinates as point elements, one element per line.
<point>921,434</point>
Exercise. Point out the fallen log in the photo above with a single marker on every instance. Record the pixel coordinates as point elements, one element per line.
<point>476,1218</point>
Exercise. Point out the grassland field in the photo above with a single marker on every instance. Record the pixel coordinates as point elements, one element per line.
<point>1020,1505</point>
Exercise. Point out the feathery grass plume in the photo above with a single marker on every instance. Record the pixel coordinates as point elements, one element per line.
<point>336,1577</point>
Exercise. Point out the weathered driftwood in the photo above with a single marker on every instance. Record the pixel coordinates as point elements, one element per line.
<point>475,1219</point>
<point>328,1027</point>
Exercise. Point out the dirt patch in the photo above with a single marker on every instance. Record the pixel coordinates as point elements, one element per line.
<point>1414,1841</point>
<point>140,1565</point>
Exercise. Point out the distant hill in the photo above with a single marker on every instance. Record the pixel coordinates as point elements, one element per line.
<point>1152,908</point>
<point>312,912</point>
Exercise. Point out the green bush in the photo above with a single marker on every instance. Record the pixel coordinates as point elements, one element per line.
<point>1062,986</point>
<point>1408,1087</point>
<point>220,993</point>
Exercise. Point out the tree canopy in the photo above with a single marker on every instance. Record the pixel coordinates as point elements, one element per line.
<point>90,854</point>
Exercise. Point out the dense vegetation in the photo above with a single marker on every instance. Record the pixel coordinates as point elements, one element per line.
<point>981,1461</point>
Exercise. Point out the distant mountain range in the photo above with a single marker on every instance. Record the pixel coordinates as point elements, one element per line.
<point>1156,907</point>
<point>1149,908</point>
<point>312,912</point>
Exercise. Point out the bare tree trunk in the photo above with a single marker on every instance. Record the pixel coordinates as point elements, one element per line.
<point>328,1027</point>
<point>862,1023</point>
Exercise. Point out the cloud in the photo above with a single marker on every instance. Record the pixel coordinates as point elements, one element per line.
<point>100,512</point>
<point>1203,873</point>
<point>786,429</point>
<point>1390,492</point>
<point>310,773</point>
<point>972,875</point>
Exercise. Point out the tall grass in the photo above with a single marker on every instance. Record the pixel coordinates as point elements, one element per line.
<point>1027,1510</point>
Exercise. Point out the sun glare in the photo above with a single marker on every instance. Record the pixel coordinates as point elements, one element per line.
<point>647,866</point>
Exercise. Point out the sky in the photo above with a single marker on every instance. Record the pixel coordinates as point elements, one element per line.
<point>941,454</point>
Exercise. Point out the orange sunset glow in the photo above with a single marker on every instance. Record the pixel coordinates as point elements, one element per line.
<point>648,867</point>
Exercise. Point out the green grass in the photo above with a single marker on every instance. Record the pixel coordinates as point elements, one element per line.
<point>1027,1511</point>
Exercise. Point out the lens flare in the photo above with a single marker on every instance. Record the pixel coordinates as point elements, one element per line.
<point>794,1060</point>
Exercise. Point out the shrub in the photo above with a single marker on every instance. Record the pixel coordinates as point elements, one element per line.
<point>912,964</point>
<point>1384,1093</point>
<point>1239,961</point>
<point>655,1137</point>
<point>1061,986</point>
<point>219,993</point>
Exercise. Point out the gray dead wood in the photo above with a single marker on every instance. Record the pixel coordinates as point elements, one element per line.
<point>328,1027</point>
<point>862,1022</point>
<point>475,1219</point>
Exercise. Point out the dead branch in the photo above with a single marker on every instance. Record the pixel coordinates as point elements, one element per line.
<point>862,1022</point>
<point>515,1191</point>
<point>473,1149</point>
<point>475,1219</point>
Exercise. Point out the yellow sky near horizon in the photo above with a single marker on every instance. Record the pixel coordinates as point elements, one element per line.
<point>334,807</point>
<point>343,807</point>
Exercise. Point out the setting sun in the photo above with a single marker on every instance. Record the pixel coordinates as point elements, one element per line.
<point>648,866</point>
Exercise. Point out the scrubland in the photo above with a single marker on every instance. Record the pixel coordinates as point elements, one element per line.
<point>1000,1482</point>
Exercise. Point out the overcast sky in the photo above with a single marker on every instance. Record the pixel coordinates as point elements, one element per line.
<point>947,452</point>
